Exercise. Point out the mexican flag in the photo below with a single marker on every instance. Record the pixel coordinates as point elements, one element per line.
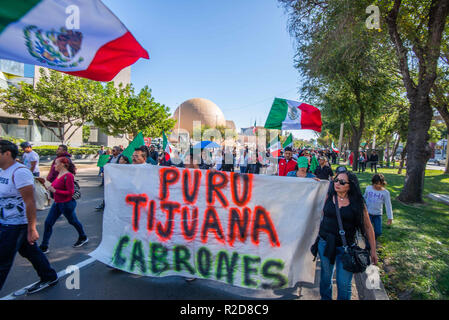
<point>288,142</point>
<point>313,164</point>
<point>334,149</point>
<point>275,147</point>
<point>136,143</point>
<point>78,37</point>
<point>103,159</point>
<point>166,146</point>
<point>293,115</point>
<point>255,127</point>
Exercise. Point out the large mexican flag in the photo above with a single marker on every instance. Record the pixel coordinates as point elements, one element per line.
<point>79,37</point>
<point>293,115</point>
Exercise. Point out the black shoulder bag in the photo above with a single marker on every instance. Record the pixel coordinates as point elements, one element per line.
<point>355,259</point>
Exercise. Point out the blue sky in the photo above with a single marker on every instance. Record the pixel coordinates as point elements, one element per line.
<point>237,53</point>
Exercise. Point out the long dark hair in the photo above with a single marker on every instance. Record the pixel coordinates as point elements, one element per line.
<point>356,199</point>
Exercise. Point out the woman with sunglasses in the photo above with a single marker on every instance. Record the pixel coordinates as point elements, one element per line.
<point>354,218</point>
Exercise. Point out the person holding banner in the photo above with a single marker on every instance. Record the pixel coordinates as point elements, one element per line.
<point>301,170</point>
<point>287,164</point>
<point>122,159</point>
<point>140,155</point>
<point>355,218</point>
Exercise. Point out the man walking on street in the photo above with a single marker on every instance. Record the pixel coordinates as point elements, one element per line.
<point>373,159</point>
<point>61,152</point>
<point>100,153</point>
<point>116,151</point>
<point>30,158</point>
<point>18,219</point>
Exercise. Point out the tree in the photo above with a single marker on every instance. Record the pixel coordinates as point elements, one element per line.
<point>126,112</point>
<point>348,71</point>
<point>416,29</point>
<point>440,89</point>
<point>86,133</point>
<point>66,100</point>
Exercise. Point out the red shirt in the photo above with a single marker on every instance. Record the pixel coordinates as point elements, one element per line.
<point>285,167</point>
<point>65,187</point>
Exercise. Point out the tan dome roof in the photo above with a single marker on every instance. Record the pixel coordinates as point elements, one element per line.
<point>198,109</point>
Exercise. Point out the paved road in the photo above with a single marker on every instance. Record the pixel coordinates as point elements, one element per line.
<point>97,281</point>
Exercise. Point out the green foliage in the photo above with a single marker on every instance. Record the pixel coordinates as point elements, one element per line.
<point>67,100</point>
<point>86,133</point>
<point>414,250</point>
<point>51,150</point>
<point>13,139</point>
<point>124,111</point>
<point>349,71</point>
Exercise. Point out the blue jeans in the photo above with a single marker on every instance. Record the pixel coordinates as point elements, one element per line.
<point>344,278</point>
<point>376,221</point>
<point>242,169</point>
<point>13,238</point>
<point>68,210</point>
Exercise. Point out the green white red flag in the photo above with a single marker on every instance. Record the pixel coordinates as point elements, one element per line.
<point>293,115</point>
<point>78,37</point>
<point>334,149</point>
<point>288,142</point>
<point>275,147</point>
<point>166,146</point>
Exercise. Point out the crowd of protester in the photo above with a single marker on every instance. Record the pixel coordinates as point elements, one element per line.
<point>360,213</point>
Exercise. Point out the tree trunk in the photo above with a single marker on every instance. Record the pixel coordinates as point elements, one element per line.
<point>419,151</point>
<point>395,149</point>
<point>401,164</point>
<point>446,171</point>
<point>421,113</point>
<point>387,156</point>
<point>355,145</point>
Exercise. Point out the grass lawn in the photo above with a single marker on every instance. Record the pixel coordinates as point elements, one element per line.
<point>414,250</point>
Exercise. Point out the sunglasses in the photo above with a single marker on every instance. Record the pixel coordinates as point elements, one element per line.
<point>341,182</point>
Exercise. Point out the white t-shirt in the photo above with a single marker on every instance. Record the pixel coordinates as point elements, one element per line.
<point>12,206</point>
<point>375,200</point>
<point>28,158</point>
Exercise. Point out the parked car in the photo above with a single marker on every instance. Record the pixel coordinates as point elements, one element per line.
<point>438,161</point>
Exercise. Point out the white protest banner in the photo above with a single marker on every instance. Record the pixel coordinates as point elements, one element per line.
<point>247,230</point>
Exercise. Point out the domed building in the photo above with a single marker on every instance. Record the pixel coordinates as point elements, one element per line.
<point>198,109</point>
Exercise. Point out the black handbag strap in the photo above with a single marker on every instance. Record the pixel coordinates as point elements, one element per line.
<point>341,231</point>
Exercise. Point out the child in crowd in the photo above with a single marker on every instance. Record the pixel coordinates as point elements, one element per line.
<point>375,197</point>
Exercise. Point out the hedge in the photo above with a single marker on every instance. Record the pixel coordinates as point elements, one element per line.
<point>51,150</point>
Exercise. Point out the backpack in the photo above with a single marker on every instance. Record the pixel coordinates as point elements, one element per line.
<point>77,192</point>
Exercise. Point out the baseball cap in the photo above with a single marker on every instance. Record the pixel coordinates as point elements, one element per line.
<point>303,162</point>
